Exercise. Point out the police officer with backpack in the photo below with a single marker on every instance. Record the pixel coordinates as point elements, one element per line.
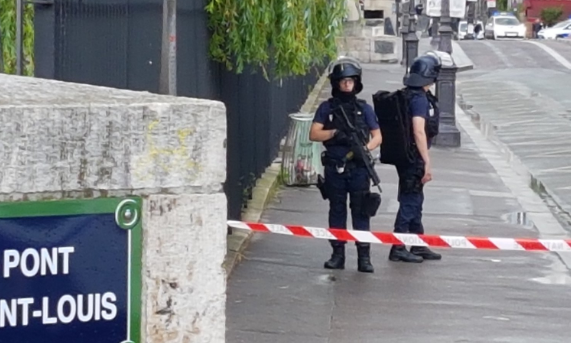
<point>345,173</point>
<point>420,125</point>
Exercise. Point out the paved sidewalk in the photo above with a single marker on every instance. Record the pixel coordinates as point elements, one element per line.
<point>281,293</point>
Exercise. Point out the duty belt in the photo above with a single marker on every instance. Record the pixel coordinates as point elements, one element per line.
<point>341,164</point>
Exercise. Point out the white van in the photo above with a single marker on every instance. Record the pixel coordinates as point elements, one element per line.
<point>463,30</point>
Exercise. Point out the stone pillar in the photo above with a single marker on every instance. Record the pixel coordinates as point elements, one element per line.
<point>353,10</point>
<point>74,141</point>
<point>449,135</point>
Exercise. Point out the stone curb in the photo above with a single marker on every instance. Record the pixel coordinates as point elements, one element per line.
<point>535,182</point>
<point>262,194</point>
<point>465,67</point>
<point>264,191</point>
<point>463,62</point>
<point>314,95</point>
<point>561,40</point>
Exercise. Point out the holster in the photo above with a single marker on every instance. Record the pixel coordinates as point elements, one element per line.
<point>371,203</point>
<point>412,183</point>
<point>321,186</point>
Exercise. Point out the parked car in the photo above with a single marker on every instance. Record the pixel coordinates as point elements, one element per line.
<point>556,31</point>
<point>463,30</point>
<point>504,26</point>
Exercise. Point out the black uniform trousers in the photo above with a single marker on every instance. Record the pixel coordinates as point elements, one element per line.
<point>410,197</point>
<point>355,182</point>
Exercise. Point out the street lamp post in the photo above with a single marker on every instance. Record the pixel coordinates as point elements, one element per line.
<point>411,37</point>
<point>445,28</point>
<point>1,58</point>
<point>449,135</point>
<point>19,37</point>
<point>398,5</point>
<point>410,48</point>
<point>471,18</point>
<point>404,31</point>
<point>168,73</point>
<point>435,38</point>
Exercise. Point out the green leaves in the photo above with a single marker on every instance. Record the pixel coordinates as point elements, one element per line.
<point>291,35</point>
<point>551,15</point>
<point>8,32</point>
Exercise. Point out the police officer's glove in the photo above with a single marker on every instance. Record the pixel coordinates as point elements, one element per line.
<point>341,137</point>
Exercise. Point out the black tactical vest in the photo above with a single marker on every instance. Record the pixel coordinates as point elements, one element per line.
<point>335,120</point>
<point>433,121</point>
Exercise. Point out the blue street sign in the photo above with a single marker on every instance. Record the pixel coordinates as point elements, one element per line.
<point>70,271</point>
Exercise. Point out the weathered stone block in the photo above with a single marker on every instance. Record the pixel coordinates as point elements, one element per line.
<point>184,283</point>
<point>357,44</point>
<point>361,56</point>
<point>384,47</point>
<point>377,5</point>
<point>62,140</point>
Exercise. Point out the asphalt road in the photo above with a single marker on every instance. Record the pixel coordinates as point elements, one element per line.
<point>491,56</point>
<point>281,293</point>
<point>520,94</point>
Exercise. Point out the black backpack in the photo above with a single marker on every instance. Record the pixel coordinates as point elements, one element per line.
<point>392,111</point>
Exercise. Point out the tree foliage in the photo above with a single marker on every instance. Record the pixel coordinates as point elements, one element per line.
<point>551,15</point>
<point>8,31</point>
<point>502,5</point>
<point>290,35</point>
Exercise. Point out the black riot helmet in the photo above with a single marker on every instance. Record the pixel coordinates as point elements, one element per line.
<point>424,70</point>
<point>345,67</point>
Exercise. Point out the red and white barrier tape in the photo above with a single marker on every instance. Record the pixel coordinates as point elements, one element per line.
<point>456,242</point>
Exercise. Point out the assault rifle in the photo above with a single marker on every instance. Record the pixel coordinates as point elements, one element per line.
<point>359,142</point>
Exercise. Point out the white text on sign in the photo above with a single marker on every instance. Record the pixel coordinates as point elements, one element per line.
<point>68,308</point>
<point>31,261</point>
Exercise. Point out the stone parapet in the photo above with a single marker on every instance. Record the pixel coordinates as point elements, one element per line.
<point>63,141</point>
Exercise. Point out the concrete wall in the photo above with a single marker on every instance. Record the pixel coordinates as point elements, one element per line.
<point>63,140</point>
<point>367,42</point>
<point>381,5</point>
<point>353,10</point>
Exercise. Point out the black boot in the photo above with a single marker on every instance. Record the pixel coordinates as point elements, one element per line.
<point>399,253</point>
<point>337,260</point>
<point>425,253</point>
<point>364,258</point>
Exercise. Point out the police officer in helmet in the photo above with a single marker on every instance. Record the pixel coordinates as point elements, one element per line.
<point>345,174</point>
<point>423,108</point>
